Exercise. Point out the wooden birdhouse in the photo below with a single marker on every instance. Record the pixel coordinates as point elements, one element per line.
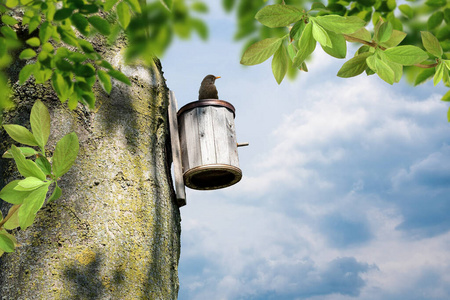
<point>207,144</point>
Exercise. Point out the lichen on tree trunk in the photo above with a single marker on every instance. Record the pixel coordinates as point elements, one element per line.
<point>115,232</point>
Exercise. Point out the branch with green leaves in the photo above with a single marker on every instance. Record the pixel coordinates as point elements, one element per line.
<point>381,53</point>
<point>28,195</point>
<point>56,45</point>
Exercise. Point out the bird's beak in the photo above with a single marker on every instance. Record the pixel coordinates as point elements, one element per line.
<point>217,77</point>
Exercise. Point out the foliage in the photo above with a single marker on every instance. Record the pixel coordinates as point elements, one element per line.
<point>279,29</point>
<point>57,45</point>
<point>28,195</point>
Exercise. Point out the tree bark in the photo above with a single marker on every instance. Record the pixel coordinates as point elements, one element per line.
<point>115,232</point>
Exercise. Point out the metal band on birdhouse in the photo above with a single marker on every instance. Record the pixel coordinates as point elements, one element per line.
<point>208,144</point>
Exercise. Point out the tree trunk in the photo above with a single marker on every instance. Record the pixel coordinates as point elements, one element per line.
<point>115,232</point>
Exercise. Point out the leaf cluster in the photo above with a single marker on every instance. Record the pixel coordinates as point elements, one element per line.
<point>59,49</point>
<point>29,194</point>
<point>382,52</point>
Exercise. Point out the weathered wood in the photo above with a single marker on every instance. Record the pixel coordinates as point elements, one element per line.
<point>206,135</point>
<point>220,127</point>
<point>176,151</point>
<point>208,145</point>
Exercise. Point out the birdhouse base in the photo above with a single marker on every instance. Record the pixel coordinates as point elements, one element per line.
<point>211,177</point>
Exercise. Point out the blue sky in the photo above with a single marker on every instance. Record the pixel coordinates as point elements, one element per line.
<point>346,185</point>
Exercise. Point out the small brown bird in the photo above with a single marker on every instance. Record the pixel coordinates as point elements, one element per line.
<point>208,89</point>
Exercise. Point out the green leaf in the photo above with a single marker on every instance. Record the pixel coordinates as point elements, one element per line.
<point>424,75</point>
<point>84,70</point>
<point>105,64</point>
<point>406,55</point>
<point>26,72</point>
<point>11,195</point>
<point>62,14</point>
<point>395,39</point>
<point>109,4</point>
<point>436,3</point>
<point>66,152</point>
<point>13,221</point>
<point>51,10</point>
<point>318,6</point>
<point>447,63</point>
<point>119,76</point>
<point>81,23</point>
<point>44,165</point>
<point>105,80</point>
<point>446,97</point>
<point>431,44</point>
<point>260,51</point>
<point>77,57</point>
<point>20,134</point>
<point>439,73</point>
<point>86,46</point>
<point>354,66</point>
<point>100,24</point>
<point>228,4</point>
<point>381,68</point>
<point>384,32</point>
<point>26,167</point>
<point>123,14</point>
<point>87,9</point>
<point>398,70</point>
<point>338,24</point>
<point>6,242</point>
<point>280,63</point>
<point>61,85</point>
<point>12,3</point>
<point>8,33</point>
<point>360,34</point>
<point>68,36</point>
<point>297,29</point>
<point>320,35</point>
<point>57,192</point>
<point>45,32</point>
<point>278,15</point>
<point>406,10</point>
<point>27,54</point>
<point>200,27</point>
<point>63,65</point>
<point>29,184</point>
<point>135,6</point>
<point>447,15</point>
<point>40,123</point>
<point>199,7</point>
<point>339,49</point>
<point>8,20</point>
<point>167,4</point>
<point>33,42</point>
<point>26,151</point>
<point>31,205</point>
<point>435,20</point>
<point>306,45</point>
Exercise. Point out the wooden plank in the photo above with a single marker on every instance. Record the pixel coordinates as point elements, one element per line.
<point>221,134</point>
<point>206,135</point>
<point>180,190</point>
<point>232,143</point>
<point>190,140</point>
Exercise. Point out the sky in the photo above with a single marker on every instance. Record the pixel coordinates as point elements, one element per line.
<point>346,183</point>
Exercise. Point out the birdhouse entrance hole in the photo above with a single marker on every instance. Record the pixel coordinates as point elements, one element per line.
<point>208,144</point>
